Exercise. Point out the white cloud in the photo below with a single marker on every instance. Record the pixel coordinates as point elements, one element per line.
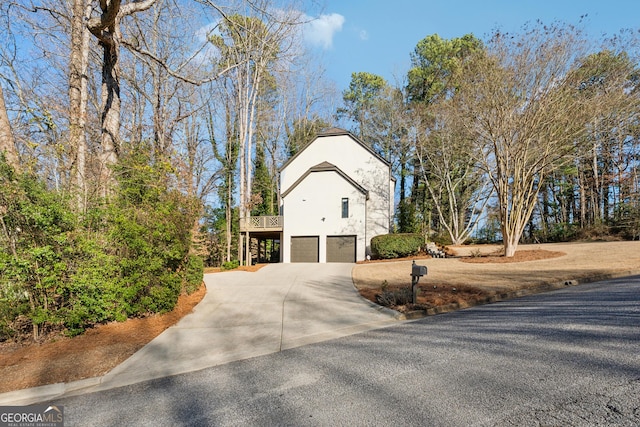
<point>203,33</point>
<point>204,52</point>
<point>320,31</point>
<point>364,35</point>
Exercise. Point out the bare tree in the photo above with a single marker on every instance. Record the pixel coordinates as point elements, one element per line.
<point>106,28</point>
<point>609,80</point>
<point>78,95</point>
<point>520,104</point>
<point>250,46</point>
<point>154,92</point>
<point>25,92</point>
<point>7,143</point>
<point>447,158</point>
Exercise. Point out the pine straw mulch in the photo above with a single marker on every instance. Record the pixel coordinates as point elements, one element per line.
<point>430,296</point>
<point>519,256</point>
<point>96,352</point>
<point>62,359</point>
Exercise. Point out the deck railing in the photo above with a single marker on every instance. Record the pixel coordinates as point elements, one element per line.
<point>261,223</point>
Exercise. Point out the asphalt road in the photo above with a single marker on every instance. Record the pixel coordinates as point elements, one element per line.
<point>565,358</point>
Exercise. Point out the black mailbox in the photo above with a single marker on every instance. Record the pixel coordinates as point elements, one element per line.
<point>418,270</point>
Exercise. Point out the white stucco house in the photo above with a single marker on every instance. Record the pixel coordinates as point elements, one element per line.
<point>335,195</point>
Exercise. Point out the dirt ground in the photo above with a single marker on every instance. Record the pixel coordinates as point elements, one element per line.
<point>474,275</point>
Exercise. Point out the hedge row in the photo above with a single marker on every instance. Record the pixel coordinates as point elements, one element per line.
<point>399,245</point>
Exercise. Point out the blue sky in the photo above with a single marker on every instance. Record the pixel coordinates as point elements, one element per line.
<point>377,36</point>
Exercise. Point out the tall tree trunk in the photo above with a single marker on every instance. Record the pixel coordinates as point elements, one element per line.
<point>510,244</point>
<point>242,123</point>
<point>252,118</point>
<point>7,143</point>
<point>110,113</point>
<point>159,119</point>
<point>547,194</point>
<point>106,29</point>
<point>242,205</point>
<point>596,186</point>
<point>78,97</point>
<point>583,198</point>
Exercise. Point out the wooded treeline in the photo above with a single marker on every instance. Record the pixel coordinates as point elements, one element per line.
<point>135,135</point>
<point>521,137</point>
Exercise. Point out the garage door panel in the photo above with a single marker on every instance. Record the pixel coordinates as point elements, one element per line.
<point>341,248</point>
<point>305,248</point>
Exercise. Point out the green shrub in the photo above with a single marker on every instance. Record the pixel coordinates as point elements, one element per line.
<point>150,230</point>
<point>163,295</point>
<point>626,221</point>
<point>193,274</point>
<point>399,245</point>
<point>13,304</point>
<point>558,232</point>
<point>229,265</point>
<point>95,291</point>
<point>442,238</point>
<point>37,233</point>
<point>127,258</point>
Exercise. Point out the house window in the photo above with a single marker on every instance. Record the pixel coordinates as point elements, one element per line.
<point>345,207</point>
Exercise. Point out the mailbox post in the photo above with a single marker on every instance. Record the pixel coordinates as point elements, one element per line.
<point>417,271</point>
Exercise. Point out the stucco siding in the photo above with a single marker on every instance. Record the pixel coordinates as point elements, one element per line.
<point>307,177</point>
<point>314,207</point>
<point>342,151</point>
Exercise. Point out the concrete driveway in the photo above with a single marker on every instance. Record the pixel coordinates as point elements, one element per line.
<point>565,358</point>
<point>245,315</point>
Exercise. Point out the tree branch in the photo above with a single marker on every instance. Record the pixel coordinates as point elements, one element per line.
<point>135,7</point>
<point>107,19</point>
<point>173,73</point>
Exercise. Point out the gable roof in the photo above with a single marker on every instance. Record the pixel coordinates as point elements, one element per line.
<point>333,131</point>
<point>337,132</point>
<point>327,167</point>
